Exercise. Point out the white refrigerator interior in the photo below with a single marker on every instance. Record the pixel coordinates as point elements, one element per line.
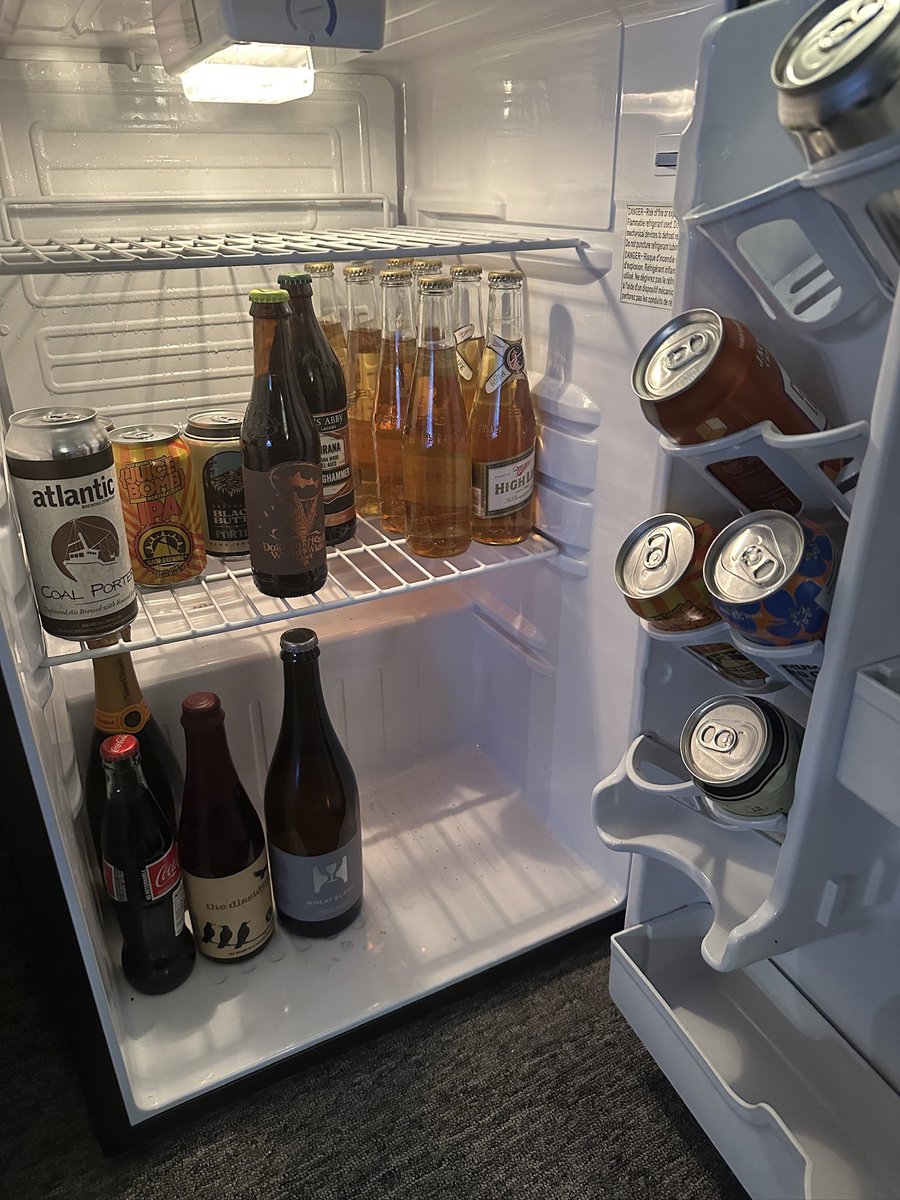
<point>481,700</point>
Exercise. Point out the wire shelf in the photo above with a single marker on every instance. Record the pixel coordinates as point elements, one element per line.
<point>150,253</point>
<point>373,564</point>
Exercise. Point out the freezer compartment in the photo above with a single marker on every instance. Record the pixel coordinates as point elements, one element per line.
<point>792,1107</point>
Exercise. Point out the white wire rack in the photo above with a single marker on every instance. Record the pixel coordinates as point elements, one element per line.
<point>371,565</point>
<point>154,253</point>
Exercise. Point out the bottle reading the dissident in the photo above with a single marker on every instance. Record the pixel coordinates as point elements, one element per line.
<point>120,707</point>
<point>325,392</point>
<point>142,874</point>
<point>282,461</point>
<point>437,469</point>
<point>363,347</point>
<point>468,327</point>
<point>326,308</point>
<point>312,805</point>
<point>221,842</point>
<point>395,368</point>
<point>502,426</point>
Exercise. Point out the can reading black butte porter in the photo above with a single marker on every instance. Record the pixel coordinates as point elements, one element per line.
<point>61,467</point>
<point>214,440</point>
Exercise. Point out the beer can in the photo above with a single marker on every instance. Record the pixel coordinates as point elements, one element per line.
<point>771,576</point>
<point>64,482</point>
<point>703,376</point>
<point>743,755</point>
<point>214,441</point>
<point>160,504</point>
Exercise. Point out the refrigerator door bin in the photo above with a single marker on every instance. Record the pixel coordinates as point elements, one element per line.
<point>870,759</point>
<point>790,1104</point>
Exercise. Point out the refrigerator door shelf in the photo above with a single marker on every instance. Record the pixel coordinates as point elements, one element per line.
<point>721,632</point>
<point>789,1103</point>
<point>870,759</point>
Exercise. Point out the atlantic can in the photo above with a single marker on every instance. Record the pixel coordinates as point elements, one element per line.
<point>743,755</point>
<point>62,474</point>
<point>160,504</point>
<point>214,441</point>
<point>771,576</point>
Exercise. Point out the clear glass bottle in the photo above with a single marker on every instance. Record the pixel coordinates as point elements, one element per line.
<point>425,266</point>
<point>363,350</point>
<point>468,327</point>
<point>395,369</point>
<point>502,426</point>
<point>436,462</point>
<point>327,309</point>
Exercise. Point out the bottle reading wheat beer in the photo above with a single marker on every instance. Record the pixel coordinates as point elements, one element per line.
<point>221,842</point>
<point>282,461</point>
<point>502,427</point>
<point>312,804</point>
<point>468,327</point>
<point>326,308</point>
<point>437,468</point>
<point>363,347</point>
<point>395,368</point>
<point>325,392</point>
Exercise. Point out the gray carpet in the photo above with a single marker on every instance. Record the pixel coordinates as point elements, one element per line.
<point>531,1088</point>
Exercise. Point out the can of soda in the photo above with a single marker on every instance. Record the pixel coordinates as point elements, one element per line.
<point>701,377</point>
<point>160,504</point>
<point>64,482</point>
<point>771,576</point>
<point>214,441</point>
<point>743,755</point>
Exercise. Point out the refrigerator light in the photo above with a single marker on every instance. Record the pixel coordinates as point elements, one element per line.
<point>251,73</point>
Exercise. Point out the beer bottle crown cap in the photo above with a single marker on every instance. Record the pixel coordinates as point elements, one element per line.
<point>300,643</point>
<point>200,704</point>
<point>358,271</point>
<point>395,275</point>
<point>505,278</point>
<point>319,268</point>
<point>297,278</point>
<point>398,262</point>
<point>119,748</point>
<point>269,295</point>
<point>466,271</point>
<point>430,284</point>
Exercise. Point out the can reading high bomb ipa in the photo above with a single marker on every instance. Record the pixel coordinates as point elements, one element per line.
<point>61,468</point>
<point>160,504</point>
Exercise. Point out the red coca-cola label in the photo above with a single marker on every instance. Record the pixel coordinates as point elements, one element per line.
<point>161,876</point>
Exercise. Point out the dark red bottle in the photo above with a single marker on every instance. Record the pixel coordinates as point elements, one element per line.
<point>221,842</point>
<point>142,874</point>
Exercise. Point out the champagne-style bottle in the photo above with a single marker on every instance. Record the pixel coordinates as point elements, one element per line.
<point>327,310</point>
<point>325,392</point>
<point>120,707</point>
<point>502,426</point>
<point>221,842</point>
<point>312,804</point>
<point>282,461</point>
<point>468,327</point>
<point>437,470</point>
<point>363,346</point>
<point>395,368</point>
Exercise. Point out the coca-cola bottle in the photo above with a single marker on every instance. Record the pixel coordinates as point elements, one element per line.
<point>142,874</point>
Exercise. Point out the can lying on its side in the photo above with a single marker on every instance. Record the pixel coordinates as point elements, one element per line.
<point>743,755</point>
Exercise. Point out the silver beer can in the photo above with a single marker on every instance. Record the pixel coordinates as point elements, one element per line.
<point>63,478</point>
<point>743,755</point>
<point>214,439</point>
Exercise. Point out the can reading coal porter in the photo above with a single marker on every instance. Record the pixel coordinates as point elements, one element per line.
<point>61,468</point>
<point>214,440</point>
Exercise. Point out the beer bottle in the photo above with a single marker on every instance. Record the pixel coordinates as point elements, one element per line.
<point>325,304</point>
<point>120,707</point>
<point>220,842</point>
<point>325,392</point>
<point>282,461</point>
<point>468,327</point>
<point>502,427</point>
<point>395,368</point>
<point>363,347</point>
<point>436,464</point>
<point>312,804</point>
<point>425,266</point>
<point>142,875</point>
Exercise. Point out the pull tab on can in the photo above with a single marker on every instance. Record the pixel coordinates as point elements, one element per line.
<point>760,564</point>
<point>720,738</point>
<point>656,550</point>
<point>687,351</point>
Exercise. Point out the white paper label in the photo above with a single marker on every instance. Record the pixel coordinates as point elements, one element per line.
<point>499,488</point>
<point>649,254</point>
<point>510,361</point>
<point>802,401</point>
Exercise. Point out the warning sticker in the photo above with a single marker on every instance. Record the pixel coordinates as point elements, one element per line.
<point>648,264</point>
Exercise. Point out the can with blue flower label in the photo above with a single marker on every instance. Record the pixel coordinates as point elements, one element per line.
<point>771,576</point>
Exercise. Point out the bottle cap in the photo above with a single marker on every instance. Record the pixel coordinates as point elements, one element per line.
<point>300,643</point>
<point>119,748</point>
<point>427,266</point>
<point>319,268</point>
<point>297,280</point>
<point>398,262</point>
<point>200,704</point>
<point>466,271</point>
<point>431,284</point>
<point>358,271</point>
<point>505,278</point>
<point>395,275</point>
<point>269,295</point>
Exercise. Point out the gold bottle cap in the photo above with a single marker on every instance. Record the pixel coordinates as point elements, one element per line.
<point>268,295</point>
<point>466,271</point>
<point>435,284</point>
<point>398,262</point>
<point>505,278</point>
<point>319,268</point>
<point>427,266</point>
<point>357,271</point>
<point>395,275</point>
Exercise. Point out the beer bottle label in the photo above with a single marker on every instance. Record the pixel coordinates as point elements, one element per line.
<point>223,501</point>
<point>318,887</point>
<point>500,488</point>
<point>510,361</point>
<point>462,335</point>
<point>127,720</point>
<point>285,518</point>
<point>232,916</point>
<point>337,476</point>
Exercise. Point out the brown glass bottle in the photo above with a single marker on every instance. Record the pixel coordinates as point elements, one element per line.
<point>221,842</point>
<point>282,461</point>
<point>312,805</point>
<point>395,369</point>
<point>325,392</point>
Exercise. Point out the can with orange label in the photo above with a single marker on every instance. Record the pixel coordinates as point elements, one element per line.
<point>160,504</point>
